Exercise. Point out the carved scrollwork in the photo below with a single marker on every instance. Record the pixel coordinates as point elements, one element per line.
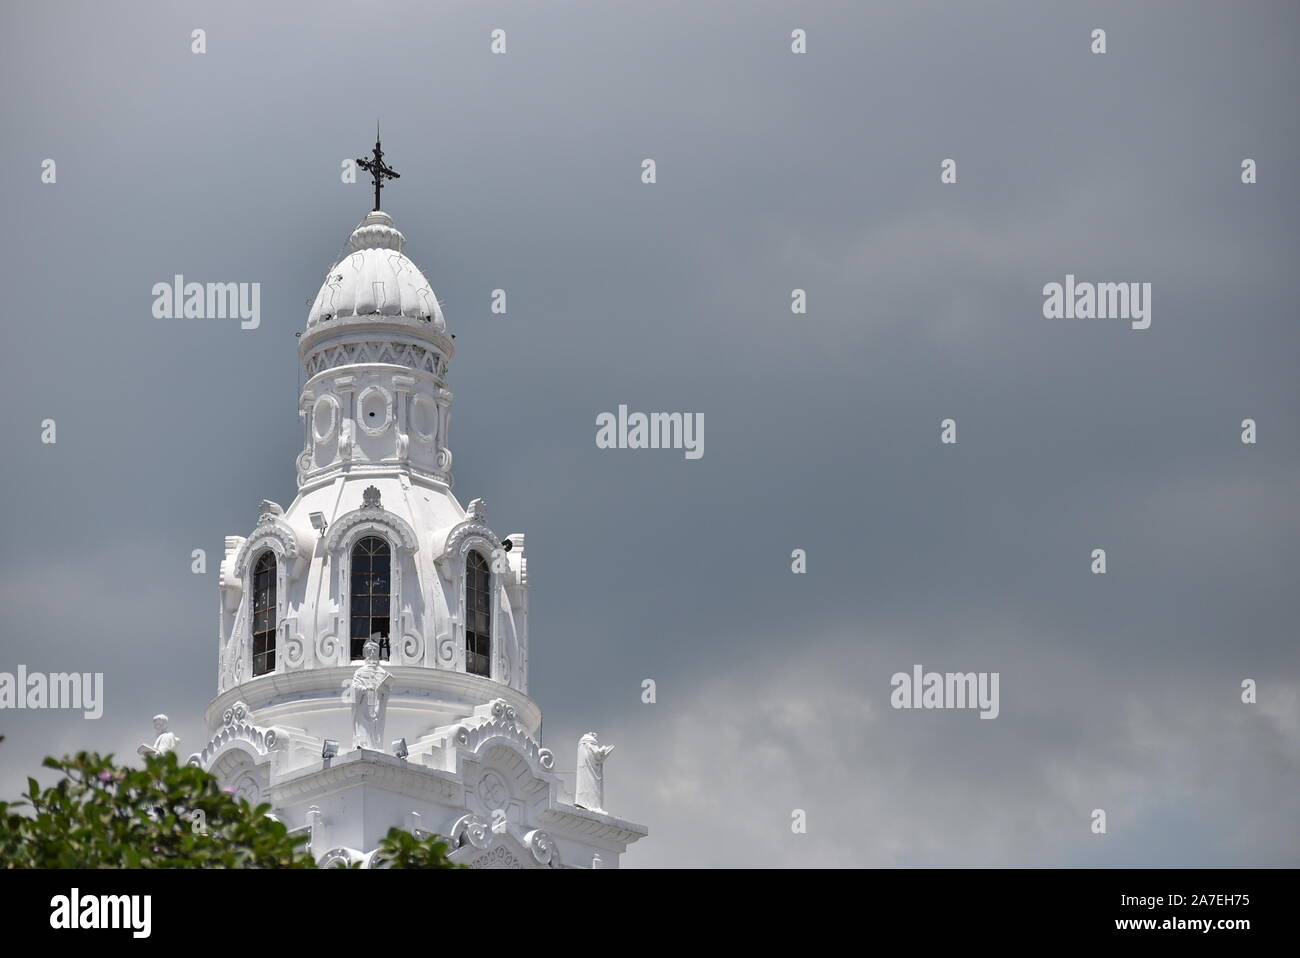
<point>347,439</point>
<point>458,539</point>
<point>470,828</point>
<point>543,848</point>
<point>339,858</point>
<point>327,645</point>
<point>499,857</point>
<point>412,647</point>
<point>237,728</point>
<point>502,726</point>
<point>293,650</point>
<point>379,518</point>
<point>503,710</point>
<point>232,655</point>
<point>236,713</point>
<point>270,532</point>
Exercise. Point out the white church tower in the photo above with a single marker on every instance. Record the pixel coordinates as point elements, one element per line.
<point>373,666</point>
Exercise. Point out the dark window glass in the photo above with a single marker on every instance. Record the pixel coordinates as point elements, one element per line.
<point>370,594</point>
<point>264,614</point>
<point>478,615</point>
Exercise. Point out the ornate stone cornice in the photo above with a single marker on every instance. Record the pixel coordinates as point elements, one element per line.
<point>238,731</point>
<point>377,518</point>
<point>458,539</point>
<point>436,478</point>
<point>413,356</point>
<point>474,831</point>
<point>502,726</point>
<point>375,328</point>
<point>581,823</point>
<point>456,690</point>
<point>377,768</point>
<point>279,535</point>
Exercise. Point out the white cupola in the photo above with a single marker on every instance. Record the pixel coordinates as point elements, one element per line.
<point>376,278</point>
<point>376,353</point>
<point>375,546</point>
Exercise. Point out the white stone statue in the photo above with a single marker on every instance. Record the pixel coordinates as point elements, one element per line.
<point>164,743</point>
<point>368,693</point>
<point>589,791</point>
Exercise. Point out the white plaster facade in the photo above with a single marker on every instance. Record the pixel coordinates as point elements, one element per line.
<point>375,462</point>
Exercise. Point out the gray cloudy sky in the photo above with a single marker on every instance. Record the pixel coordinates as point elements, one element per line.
<point>775,171</point>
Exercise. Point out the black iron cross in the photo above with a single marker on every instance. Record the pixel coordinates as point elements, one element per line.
<point>377,170</point>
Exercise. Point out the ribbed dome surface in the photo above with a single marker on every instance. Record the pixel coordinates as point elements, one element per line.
<point>376,279</point>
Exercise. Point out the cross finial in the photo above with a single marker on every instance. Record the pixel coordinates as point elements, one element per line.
<point>376,168</point>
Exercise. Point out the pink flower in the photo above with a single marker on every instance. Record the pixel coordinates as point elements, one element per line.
<point>105,776</point>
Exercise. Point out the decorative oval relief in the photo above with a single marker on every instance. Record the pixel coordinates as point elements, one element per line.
<point>324,418</point>
<point>424,417</point>
<point>374,410</point>
<point>248,789</point>
<point>492,791</point>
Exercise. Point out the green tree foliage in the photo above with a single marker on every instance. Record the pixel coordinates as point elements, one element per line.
<point>164,815</point>
<point>401,849</point>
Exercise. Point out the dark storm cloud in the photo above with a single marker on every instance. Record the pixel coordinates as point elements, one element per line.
<point>775,172</point>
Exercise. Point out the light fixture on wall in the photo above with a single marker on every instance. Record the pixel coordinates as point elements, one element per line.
<point>400,749</point>
<point>329,750</point>
<point>318,522</point>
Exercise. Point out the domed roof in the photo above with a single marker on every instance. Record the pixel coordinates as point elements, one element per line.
<point>376,278</point>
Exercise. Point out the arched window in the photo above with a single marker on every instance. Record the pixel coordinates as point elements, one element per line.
<point>264,609</point>
<point>371,593</point>
<point>478,615</point>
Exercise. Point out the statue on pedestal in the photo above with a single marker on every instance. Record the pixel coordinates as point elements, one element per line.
<point>368,694</point>
<point>589,790</point>
<point>164,743</point>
